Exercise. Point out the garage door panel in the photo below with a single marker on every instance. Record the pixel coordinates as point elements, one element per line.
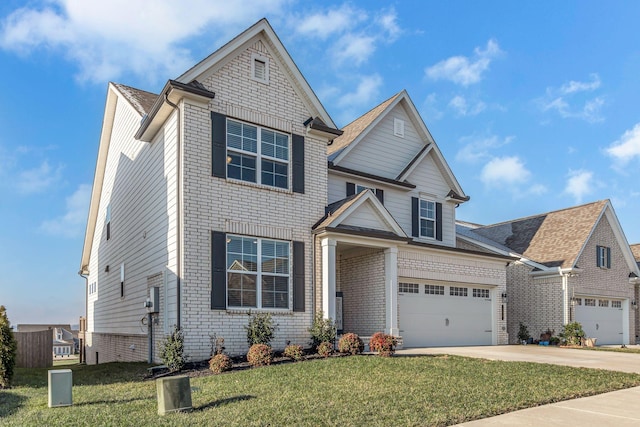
<point>604,323</point>
<point>445,320</point>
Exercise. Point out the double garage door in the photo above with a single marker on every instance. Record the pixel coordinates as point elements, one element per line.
<point>437,315</point>
<point>601,318</point>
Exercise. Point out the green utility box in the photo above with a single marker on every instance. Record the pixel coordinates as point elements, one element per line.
<point>174,394</point>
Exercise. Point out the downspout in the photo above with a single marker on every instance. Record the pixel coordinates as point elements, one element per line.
<point>565,298</point>
<point>86,311</point>
<point>178,210</point>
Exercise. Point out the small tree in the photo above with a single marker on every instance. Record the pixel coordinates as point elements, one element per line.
<point>523,333</point>
<point>8,350</point>
<point>573,333</point>
<point>260,329</point>
<point>322,330</point>
<point>172,350</point>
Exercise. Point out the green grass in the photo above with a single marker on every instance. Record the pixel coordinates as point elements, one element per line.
<point>614,349</point>
<point>354,391</point>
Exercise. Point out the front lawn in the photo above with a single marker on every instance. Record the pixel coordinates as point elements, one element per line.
<point>360,390</point>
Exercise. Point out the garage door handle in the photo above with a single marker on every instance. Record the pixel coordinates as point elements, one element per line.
<point>597,326</point>
<point>446,322</point>
<point>489,330</point>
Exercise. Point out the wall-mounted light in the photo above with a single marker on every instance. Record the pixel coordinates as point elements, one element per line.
<point>634,304</point>
<point>504,297</point>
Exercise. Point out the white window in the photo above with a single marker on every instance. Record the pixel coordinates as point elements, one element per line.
<point>434,289</point>
<point>361,188</point>
<point>93,288</point>
<point>590,302</point>
<point>260,68</point>
<point>603,256</point>
<point>257,272</point>
<point>259,155</point>
<point>455,291</point>
<point>603,303</point>
<point>616,304</point>
<point>427,218</point>
<point>408,288</point>
<point>398,127</point>
<point>480,293</point>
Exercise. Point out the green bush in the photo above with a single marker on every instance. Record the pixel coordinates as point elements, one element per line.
<point>260,329</point>
<point>294,351</point>
<point>8,349</point>
<point>220,363</point>
<point>523,333</point>
<point>172,350</point>
<point>383,344</point>
<point>325,349</point>
<point>260,355</point>
<point>572,333</point>
<point>350,343</point>
<point>323,330</point>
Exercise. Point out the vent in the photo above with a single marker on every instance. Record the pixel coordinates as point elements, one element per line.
<point>398,127</point>
<point>260,68</point>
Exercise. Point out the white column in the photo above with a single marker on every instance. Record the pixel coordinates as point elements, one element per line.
<point>391,290</point>
<point>329,278</point>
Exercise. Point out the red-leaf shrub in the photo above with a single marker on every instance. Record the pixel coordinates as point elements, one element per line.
<point>325,349</point>
<point>294,352</point>
<point>350,343</point>
<point>220,363</point>
<point>383,344</point>
<point>260,355</point>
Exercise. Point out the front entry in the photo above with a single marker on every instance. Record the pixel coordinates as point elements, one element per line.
<point>438,315</point>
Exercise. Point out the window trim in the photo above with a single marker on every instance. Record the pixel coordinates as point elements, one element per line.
<point>420,218</point>
<point>603,257</point>
<point>256,57</point>
<point>259,274</point>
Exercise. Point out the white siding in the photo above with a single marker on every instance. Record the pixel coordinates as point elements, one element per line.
<point>381,152</point>
<point>366,216</point>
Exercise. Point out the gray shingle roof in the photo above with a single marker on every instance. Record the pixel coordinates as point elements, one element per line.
<point>141,100</point>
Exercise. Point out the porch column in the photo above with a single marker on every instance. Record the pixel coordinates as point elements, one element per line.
<point>391,290</point>
<point>329,278</point>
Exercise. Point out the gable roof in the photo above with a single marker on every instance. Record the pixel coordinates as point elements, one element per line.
<point>635,250</point>
<point>557,238</point>
<point>141,100</point>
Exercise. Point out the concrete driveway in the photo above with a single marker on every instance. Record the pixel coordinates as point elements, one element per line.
<point>624,362</point>
<point>618,408</point>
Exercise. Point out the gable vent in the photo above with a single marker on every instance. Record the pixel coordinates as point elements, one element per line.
<point>260,68</point>
<point>398,127</point>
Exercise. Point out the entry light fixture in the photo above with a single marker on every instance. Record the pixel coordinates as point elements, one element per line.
<point>504,297</point>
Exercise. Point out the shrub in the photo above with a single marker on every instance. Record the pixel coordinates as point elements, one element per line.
<point>350,343</point>
<point>220,363</point>
<point>172,350</point>
<point>572,333</point>
<point>325,349</point>
<point>260,355</point>
<point>216,344</point>
<point>383,344</point>
<point>260,329</point>
<point>523,333</point>
<point>323,330</point>
<point>8,349</point>
<point>294,351</point>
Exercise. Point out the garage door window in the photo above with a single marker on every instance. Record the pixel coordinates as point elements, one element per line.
<point>434,289</point>
<point>455,291</point>
<point>480,293</point>
<point>408,288</point>
<point>616,304</point>
<point>603,303</point>
<point>590,302</point>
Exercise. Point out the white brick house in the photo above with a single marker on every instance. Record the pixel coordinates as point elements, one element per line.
<point>574,265</point>
<point>217,193</point>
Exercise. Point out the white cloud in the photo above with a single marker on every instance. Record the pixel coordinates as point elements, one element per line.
<point>479,148</point>
<point>334,21</point>
<point>354,49</point>
<point>463,70</point>
<point>72,222</point>
<point>459,104</point>
<point>107,39</point>
<point>579,184</point>
<point>627,147</point>
<point>39,179</point>
<point>365,93</point>
<point>505,172</point>
<point>430,106</point>
<point>388,21</point>
<point>568,101</point>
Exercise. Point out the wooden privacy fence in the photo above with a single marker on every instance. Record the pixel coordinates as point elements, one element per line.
<point>35,349</point>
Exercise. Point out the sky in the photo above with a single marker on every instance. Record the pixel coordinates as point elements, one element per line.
<point>535,105</point>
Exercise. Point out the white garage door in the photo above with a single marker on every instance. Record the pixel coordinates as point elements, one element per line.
<point>601,318</point>
<point>443,315</point>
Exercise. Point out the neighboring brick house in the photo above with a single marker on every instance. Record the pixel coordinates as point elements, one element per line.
<point>575,265</point>
<point>217,193</point>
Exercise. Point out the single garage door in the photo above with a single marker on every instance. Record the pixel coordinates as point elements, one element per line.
<point>601,318</point>
<point>444,315</point>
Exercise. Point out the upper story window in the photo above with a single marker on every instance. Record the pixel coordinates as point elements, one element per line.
<point>603,256</point>
<point>256,154</point>
<point>107,221</point>
<point>257,272</point>
<point>260,68</point>
<point>427,218</point>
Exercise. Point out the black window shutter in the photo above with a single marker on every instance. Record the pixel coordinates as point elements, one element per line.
<point>218,270</point>
<point>380,195</point>
<point>608,257</point>
<point>351,189</point>
<point>219,145</point>
<point>598,256</point>
<point>439,221</point>
<point>298,276</point>
<point>415,217</point>
<point>297,170</point>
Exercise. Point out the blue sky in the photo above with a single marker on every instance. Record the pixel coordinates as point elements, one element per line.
<point>534,104</point>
